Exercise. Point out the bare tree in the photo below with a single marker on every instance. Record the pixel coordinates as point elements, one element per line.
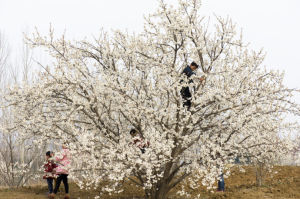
<point>4,54</point>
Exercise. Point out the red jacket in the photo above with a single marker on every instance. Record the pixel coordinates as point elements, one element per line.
<point>49,170</point>
<point>140,142</point>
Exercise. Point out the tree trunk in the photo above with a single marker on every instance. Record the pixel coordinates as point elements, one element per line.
<point>157,192</point>
<point>22,158</point>
<point>259,174</point>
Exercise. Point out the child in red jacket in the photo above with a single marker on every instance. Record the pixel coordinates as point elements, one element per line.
<point>49,169</point>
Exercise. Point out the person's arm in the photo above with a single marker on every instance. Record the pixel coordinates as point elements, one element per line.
<point>60,157</point>
<point>54,165</point>
<point>47,168</point>
<point>202,79</point>
<point>185,71</point>
<point>53,168</point>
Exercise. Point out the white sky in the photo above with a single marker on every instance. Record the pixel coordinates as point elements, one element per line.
<point>271,24</point>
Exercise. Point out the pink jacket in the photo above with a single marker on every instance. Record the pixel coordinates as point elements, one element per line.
<point>63,162</point>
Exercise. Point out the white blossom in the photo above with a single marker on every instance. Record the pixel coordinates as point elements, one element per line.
<point>96,91</point>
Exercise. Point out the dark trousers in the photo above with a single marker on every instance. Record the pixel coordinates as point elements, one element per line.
<point>64,178</point>
<point>221,183</point>
<point>50,184</point>
<point>186,96</point>
<point>187,103</point>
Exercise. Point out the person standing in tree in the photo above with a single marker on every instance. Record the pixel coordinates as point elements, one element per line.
<point>185,90</point>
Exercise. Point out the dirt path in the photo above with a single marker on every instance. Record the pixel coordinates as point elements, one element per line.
<point>285,184</point>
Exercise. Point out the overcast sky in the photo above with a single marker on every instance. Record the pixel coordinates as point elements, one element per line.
<point>270,24</point>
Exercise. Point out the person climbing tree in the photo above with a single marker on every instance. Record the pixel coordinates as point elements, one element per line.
<point>138,141</point>
<point>185,90</point>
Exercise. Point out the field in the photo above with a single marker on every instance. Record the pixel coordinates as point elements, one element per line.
<point>285,184</point>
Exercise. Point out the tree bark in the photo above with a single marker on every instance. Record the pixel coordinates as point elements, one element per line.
<point>158,192</point>
<point>259,174</point>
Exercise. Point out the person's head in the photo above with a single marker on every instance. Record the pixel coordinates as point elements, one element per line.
<point>133,132</point>
<point>64,145</point>
<point>48,155</point>
<point>193,66</point>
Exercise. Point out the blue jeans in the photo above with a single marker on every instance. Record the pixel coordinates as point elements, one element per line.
<point>221,183</point>
<point>50,184</point>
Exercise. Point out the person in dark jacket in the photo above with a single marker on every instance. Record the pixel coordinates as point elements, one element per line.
<point>185,90</point>
<point>221,183</point>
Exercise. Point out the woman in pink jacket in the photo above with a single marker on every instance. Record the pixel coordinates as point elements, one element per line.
<point>63,164</point>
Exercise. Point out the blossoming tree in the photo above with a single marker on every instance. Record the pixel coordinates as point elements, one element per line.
<point>16,168</point>
<point>96,91</point>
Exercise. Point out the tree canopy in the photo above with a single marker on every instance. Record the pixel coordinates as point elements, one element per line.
<point>96,91</point>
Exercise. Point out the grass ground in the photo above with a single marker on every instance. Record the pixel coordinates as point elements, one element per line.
<point>285,184</point>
